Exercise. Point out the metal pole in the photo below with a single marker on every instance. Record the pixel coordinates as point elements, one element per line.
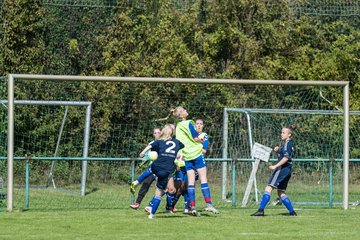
<point>51,177</point>
<point>179,80</point>
<point>346,147</point>
<point>233,183</point>
<point>86,149</point>
<point>132,199</point>
<point>27,182</point>
<point>331,162</point>
<point>224,154</point>
<point>251,146</point>
<point>10,150</point>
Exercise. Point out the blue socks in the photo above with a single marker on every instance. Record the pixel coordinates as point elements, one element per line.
<point>191,194</point>
<point>156,202</point>
<point>206,192</point>
<point>169,200</point>
<point>186,198</point>
<point>144,175</point>
<point>264,201</point>
<point>286,201</point>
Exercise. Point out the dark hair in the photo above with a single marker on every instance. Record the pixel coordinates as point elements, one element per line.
<point>200,119</point>
<point>291,127</point>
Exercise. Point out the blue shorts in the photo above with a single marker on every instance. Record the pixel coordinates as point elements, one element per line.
<point>162,177</point>
<point>196,163</point>
<point>280,178</point>
<point>180,175</point>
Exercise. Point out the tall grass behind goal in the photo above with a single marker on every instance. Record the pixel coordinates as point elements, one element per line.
<point>123,113</point>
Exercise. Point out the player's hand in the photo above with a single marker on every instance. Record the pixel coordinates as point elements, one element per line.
<point>272,167</point>
<point>276,148</point>
<point>142,154</point>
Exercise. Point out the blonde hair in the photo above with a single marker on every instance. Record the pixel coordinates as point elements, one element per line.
<point>167,132</point>
<point>174,111</point>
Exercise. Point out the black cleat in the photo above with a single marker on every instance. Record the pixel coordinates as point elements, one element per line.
<point>258,213</point>
<point>293,213</point>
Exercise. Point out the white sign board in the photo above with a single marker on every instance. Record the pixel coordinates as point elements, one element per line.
<point>261,152</point>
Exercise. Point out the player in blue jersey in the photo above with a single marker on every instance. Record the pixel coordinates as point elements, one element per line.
<point>194,158</point>
<point>145,178</point>
<point>282,173</point>
<point>167,148</point>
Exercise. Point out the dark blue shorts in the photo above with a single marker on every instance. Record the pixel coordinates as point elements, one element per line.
<point>196,163</point>
<point>280,178</point>
<point>162,177</point>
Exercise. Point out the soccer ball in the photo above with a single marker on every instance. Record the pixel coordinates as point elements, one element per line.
<point>153,155</point>
<point>202,137</point>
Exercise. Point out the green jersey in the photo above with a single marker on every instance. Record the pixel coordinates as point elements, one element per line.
<point>192,149</point>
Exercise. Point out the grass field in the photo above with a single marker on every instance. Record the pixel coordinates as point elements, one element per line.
<point>97,216</point>
<point>230,224</point>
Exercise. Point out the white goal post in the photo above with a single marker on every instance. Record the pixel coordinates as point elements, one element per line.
<point>13,77</point>
<point>86,132</point>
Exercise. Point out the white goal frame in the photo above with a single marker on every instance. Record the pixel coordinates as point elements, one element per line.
<point>30,77</point>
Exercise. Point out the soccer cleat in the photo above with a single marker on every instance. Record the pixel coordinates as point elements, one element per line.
<point>277,202</point>
<point>151,216</point>
<point>194,212</point>
<point>171,210</point>
<point>293,214</point>
<point>135,205</point>
<point>258,213</point>
<point>133,186</point>
<point>210,208</point>
<point>148,209</point>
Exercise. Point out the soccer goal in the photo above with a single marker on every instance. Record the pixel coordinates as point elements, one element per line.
<point>317,171</point>
<point>125,109</point>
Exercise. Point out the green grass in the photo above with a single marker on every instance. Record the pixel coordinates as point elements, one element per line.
<point>230,224</point>
<point>104,213</point>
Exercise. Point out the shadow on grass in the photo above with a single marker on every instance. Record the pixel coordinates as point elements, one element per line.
<point>94,189</point>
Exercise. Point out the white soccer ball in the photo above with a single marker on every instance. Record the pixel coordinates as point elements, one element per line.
<point>202,137</point>
<point>153,155</point>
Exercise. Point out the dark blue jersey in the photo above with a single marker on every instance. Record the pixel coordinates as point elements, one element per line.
<point>288,151</point>
<point>167,151</point>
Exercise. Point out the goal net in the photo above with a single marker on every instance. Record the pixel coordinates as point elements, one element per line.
<point>125,110</point>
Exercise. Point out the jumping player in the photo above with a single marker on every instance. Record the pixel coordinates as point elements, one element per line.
<point>194,158</point>
<point>167,148</point>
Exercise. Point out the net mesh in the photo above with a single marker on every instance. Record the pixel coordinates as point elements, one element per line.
<point>122,118</point>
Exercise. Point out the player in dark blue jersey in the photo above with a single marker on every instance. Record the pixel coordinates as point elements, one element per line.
<point>167,148</point>
<point>145,178</point>
<point>282,172</point>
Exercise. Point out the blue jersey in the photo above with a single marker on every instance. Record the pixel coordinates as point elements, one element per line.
<point>288,151</point>
<point>167,151</point>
